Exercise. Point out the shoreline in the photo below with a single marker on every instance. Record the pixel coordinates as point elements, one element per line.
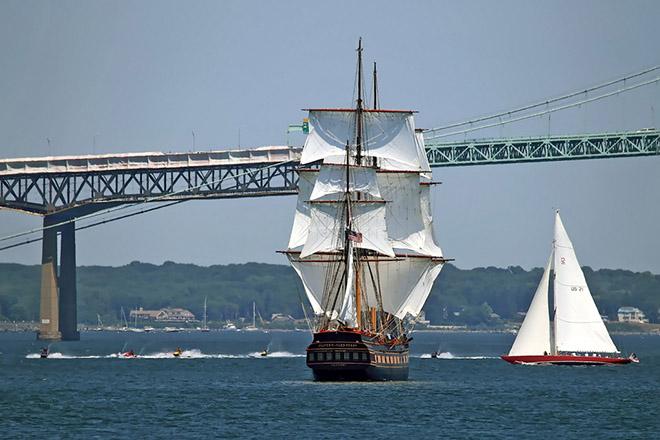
<point>33,327</point>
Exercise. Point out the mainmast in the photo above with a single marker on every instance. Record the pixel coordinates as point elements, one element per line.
<point>375,87</point>
<point>358,160</point>
<point>359,108</point>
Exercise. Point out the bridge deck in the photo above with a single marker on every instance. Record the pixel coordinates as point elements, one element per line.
<point>48,185</point>
<point>149,160</point>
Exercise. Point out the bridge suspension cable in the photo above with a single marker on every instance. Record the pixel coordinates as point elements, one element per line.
<point>78,228</point>
<point>542,103</point>
<point>118,208</point>
<point>541,113</point>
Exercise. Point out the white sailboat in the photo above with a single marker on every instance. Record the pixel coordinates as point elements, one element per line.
<point>205,327</point>
<point>135,328</point>
<point>124,321</point>
<point>253,327</point>
<point>577,334</point>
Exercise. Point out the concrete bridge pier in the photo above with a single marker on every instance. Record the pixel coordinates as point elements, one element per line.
<point>49,308</point>
<point>68,313</point>
<point>58,318</point>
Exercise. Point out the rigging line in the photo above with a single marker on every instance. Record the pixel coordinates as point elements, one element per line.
<point>97,223</point>
<point>545,112</point>
<point>132,205</point>
<point>549,101</point>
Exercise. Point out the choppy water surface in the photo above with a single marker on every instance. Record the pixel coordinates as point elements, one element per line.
<point>221,387</point>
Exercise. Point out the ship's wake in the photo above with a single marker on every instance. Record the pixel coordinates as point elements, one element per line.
<point>446,355</point>
<point>186,354</point>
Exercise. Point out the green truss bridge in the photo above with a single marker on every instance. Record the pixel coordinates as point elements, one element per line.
<point>644,142</point>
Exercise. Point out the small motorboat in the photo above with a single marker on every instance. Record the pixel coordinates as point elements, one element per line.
<point>44,353</point>
<point>177,352</point>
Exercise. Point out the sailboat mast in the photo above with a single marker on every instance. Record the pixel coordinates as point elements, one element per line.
<point>254,314</point>
<point>553,310</point>
<point>205,312</point>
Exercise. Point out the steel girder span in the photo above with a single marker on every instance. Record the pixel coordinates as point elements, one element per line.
<point>62,189</point>
<point>53,185</point>
<point>542,149</point>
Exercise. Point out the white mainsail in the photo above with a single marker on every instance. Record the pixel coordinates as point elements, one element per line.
<point>390,210</point>
<point>533,337</point>
<point>406,283</point>
<point>578,325</point>
<point>326,231</point>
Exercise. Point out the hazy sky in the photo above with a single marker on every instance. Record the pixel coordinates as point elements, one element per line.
<point>140,76</point>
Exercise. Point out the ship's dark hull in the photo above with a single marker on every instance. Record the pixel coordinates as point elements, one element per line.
<point>351,356</point>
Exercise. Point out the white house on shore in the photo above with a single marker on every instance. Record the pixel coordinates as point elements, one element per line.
<point>166,315</point>
<point>631,314</point>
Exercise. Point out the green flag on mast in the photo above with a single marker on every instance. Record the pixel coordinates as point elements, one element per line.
<point>303,128</point>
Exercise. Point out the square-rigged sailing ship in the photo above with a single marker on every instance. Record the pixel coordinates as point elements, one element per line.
<point>362,240</point>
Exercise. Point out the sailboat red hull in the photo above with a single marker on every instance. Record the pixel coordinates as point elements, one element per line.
<point>566,360</point>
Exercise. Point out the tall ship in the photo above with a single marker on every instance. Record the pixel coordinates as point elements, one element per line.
<point>362,240</point>
<point>576,334</point>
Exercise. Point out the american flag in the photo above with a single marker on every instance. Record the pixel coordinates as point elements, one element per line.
<point>354,236</point>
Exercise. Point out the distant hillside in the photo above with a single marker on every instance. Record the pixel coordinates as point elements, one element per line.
<point>474,293</point>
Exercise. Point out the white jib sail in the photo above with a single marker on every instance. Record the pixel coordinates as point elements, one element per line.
<point>578,325</point>
<point>388,135</point>
<point>534,335</point>
<point>332,181</point>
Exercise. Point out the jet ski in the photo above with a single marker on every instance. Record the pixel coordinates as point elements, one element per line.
<point>434,355</point>
<point>44,353</point>
<point>177,352</point>
<point>129,354</point>
<point>265,353</point>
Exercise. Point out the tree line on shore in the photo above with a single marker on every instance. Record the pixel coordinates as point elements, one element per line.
<point>460,296</point>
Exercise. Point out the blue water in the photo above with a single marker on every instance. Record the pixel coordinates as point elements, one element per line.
<point>223,389</point>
